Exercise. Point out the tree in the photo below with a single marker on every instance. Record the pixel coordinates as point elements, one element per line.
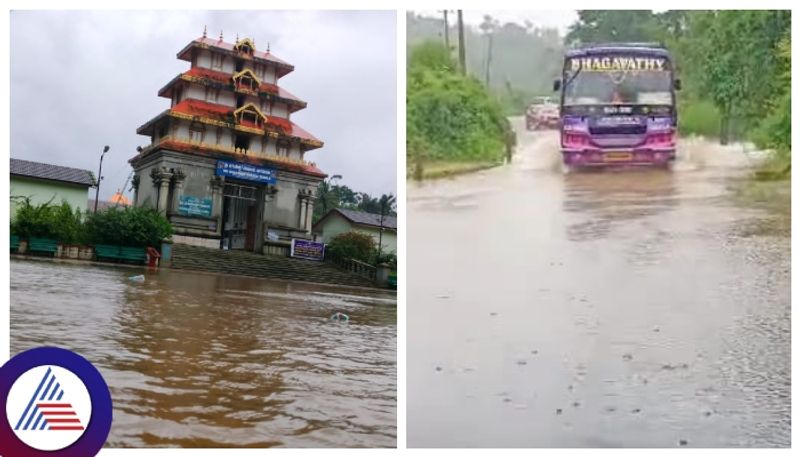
<point>488,27</point>
<point>612,26</point>
<point>387,203</point>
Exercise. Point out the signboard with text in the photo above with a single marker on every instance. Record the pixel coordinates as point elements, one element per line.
<point>246,172</point>
<point>194,206</point>
<point>308,250</point>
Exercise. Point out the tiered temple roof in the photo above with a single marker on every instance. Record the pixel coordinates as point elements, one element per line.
<point>247,118</point>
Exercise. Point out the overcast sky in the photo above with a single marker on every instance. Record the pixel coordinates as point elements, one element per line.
<point>560,19</point>
<point>81,80</point>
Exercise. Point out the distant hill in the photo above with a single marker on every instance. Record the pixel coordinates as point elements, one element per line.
<point>525,58</point>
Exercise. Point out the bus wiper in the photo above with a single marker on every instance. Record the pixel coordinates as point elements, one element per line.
<point>572,78</point>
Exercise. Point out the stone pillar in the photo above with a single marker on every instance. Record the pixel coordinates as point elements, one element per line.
<point>161,178</point>
<point>217,184</point>
<point>301,213</point>
<point>163,193</point>
<point>179,177</point>
<point>309,213</point>
<point>135,184</point>
<point>268,196</point>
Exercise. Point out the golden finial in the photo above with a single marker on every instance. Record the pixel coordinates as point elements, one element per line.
<point>205,31</point>
<point>237,37</point>
<point>220,35</point>
<point>267,46</point>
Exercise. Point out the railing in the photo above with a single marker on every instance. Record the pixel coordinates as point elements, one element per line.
<point>356,266</point>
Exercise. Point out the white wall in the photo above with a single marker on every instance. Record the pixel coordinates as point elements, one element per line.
<point>280,110</point>
<point>204,59</point>
<point>180,129</point>
<point>294,151</point>
<point>226,98</point>
<point>269,75</point>
<point>195,91</point>
<point>227,64</point>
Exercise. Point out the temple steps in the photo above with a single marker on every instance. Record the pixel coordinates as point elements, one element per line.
<point>186,257</point>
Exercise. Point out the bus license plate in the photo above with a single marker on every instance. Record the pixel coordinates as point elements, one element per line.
<point>617,156</point>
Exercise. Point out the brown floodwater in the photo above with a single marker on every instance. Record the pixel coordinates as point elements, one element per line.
<point>613,309</point>
<point>203,360</point>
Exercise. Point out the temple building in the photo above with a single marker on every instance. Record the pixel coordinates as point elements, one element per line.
<point>226,163</point>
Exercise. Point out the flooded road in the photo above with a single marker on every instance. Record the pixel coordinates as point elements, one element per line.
<point>201,360</point>
<point>617,309</point>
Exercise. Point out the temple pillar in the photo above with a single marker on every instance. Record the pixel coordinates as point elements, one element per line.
<point>301,212</point>
<point>217,185</point>
<point>135,184</point>
<point>161,179</point>
<point>179,177</point>
<point>309,213</point>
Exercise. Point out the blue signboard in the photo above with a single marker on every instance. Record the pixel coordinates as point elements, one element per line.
<point>308,250</point>
<point>194,206</point>
<point>246,172</point>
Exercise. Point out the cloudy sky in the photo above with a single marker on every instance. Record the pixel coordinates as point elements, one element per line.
<point>81,80</point>
<point>560,19</point>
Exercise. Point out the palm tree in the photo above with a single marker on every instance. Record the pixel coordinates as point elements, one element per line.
<point>327,195</point>
<point>387,203</point>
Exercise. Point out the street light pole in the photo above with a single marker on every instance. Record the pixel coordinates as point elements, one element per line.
<point>99,177</point>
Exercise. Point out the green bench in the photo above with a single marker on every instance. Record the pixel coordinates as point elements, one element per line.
<point>120,253</point>
<point>14,242</point>
<point>43,245</point>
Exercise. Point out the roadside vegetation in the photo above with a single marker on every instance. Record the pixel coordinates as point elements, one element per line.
<point>450,118</point>
<point>128,226</point>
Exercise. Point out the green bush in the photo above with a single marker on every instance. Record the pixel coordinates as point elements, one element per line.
<point>59,222</point>
<point>697,117</point>
<point>450,117</point>
<point>351,245</point>
<point>135,227</point>
<point>389,258</point>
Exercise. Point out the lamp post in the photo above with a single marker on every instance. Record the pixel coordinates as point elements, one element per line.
<point>99,177</point>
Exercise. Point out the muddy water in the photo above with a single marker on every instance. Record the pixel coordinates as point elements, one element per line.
<point>621,309</point>
<point>217,361</point>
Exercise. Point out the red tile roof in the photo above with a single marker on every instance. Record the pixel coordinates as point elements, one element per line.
<point>225,78</point>
<point>194,107</point>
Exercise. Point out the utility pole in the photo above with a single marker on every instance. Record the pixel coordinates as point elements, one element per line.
<point>446,32</point>
<point>462,55</point>
<point>489,59</point>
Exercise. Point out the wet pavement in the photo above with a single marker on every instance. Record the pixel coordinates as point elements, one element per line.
<point>202,360</point>
<point>614,309</point>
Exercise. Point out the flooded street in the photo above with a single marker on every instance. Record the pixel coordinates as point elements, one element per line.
<point>614,309</point>
<point>201,360</point>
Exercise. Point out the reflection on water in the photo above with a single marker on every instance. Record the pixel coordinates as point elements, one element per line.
<point>217,361</point>
<point>604,199</point>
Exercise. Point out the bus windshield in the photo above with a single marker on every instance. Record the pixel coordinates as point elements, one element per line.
<point>611,85</point>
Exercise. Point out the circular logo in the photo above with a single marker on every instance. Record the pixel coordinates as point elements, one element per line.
<point>56,404</point>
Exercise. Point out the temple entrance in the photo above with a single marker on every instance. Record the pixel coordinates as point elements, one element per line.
<point>239,215</point>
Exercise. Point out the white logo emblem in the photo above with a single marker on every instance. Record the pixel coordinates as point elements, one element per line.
<point>48,408</point>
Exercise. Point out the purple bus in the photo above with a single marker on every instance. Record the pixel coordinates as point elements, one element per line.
<point>618,106</point>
